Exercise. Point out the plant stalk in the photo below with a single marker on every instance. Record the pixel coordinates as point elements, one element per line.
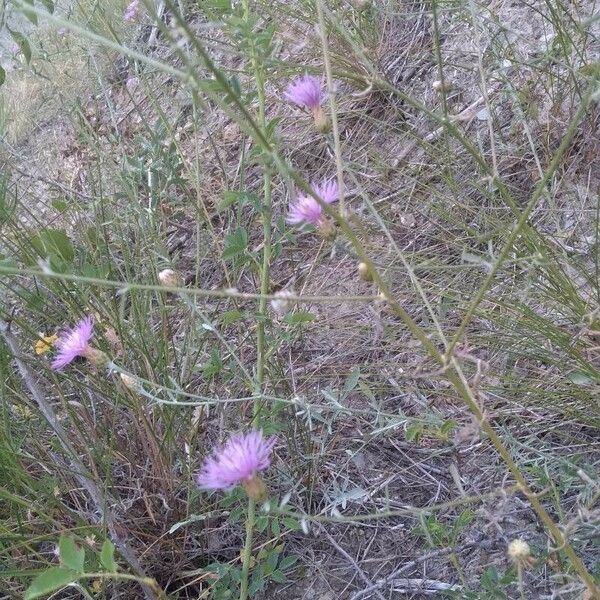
<point>247,552</point>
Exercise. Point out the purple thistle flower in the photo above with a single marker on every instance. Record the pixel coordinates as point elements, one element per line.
<point>307,92</point>
<point>132,10</point>
<point>73,343</point>
<point>306,209</point>
<point>237,461</point>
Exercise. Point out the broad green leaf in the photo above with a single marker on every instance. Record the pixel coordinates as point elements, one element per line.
<point>231,197</point>
<point>581,378</point>
<point>60,205</point>
<point>49,581</point>
<point>107,556</point>
<point>300,316</point>
<point>292,523</point>
<point>71,556</point>
<point>288,562</point>
<point>257,583</point>
<point>278,577</point>
<point>275,528</point>
<point>49,4</point>
<point>261,523</point>
<point>235,243</point>
<point>53,243</point>
<point>59,241</point>
<point>230,316</point>
<point>215,9</point>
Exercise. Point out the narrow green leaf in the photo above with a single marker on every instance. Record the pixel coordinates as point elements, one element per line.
<point>2,75</point>
<point>49,581</point>
<point>22,42</point>
<point>107,556</point>
<point>71,555</point>
<point>352,380</point>
<point>29,13</point>
<point>292,523</point>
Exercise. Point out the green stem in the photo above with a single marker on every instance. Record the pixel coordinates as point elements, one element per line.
<point>264,289</point>
<point>266,219</point>
<point>247,553</point>
<point>147,581</point>
<point>332,105</point>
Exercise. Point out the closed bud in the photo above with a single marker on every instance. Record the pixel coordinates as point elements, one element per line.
<point>98,358</point>
<point>169,278</point>
<point>441,86</point>
<point>364,272</point>
<point>114,340</point>
<point>327,229</point>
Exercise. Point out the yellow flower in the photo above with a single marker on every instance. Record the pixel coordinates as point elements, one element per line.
<point>45,344</point>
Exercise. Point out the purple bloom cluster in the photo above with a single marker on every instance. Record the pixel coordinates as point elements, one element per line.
<point>237,461</point>
<point>73,343</point>
<point>306,210</point>
<point>306,92</point>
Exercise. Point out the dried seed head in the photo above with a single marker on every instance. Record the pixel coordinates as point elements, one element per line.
<point>282,304</point>
<point>169,278</point>
<point>519,553</point>
<point>441,86</point>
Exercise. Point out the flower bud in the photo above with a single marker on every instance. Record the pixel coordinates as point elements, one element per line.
<point>364,272</point>
<point>327,229</point>
<point>114,341</point>
<point>322,123</point>
<point>98,358</point>
<point>255,488</point>
<point>169,278</point>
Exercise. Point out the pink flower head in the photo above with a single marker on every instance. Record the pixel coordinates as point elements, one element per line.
<point>307,92</point>
<point>237,461</point>
<point>73,343</point>
<point>305,209</point>
<point>132,10</point>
